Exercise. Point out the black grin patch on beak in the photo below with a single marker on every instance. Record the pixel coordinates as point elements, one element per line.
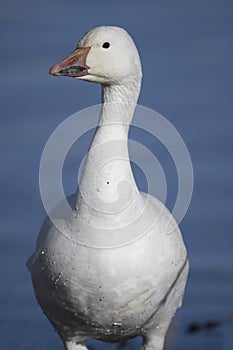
<point>74,71</point>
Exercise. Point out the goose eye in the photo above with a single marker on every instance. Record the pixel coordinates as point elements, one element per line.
<point>106,45</point>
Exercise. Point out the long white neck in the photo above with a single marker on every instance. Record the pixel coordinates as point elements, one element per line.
<point>107,185</point>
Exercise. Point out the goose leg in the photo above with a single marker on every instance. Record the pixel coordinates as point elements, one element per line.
<point>155,339</point>
<point>79,343</point>
<point>154,342</point>
<point>74,346</point>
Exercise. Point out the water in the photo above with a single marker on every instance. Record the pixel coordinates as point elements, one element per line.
<point>186,50</point>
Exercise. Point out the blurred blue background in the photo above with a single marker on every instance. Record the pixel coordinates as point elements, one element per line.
<point>186,49</point>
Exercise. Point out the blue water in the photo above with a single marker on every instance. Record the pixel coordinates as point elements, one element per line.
<point>186,49</point>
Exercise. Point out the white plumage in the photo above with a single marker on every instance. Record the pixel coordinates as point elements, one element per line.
<point>111,293</point>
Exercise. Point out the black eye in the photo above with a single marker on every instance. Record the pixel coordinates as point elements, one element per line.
<point>106,45</point>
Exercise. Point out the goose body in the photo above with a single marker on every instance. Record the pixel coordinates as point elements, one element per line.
<point>127,276</point>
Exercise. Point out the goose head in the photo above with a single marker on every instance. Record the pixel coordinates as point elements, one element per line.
<point>105,55</point>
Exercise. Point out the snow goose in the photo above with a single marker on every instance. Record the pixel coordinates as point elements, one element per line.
<point>118,291</point>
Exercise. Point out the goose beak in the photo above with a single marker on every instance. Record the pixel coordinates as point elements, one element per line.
<point>73,65</point>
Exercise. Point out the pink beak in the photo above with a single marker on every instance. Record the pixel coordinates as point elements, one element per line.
<point>73,65</point>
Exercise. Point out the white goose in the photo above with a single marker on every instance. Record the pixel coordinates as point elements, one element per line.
<point>119,292</point>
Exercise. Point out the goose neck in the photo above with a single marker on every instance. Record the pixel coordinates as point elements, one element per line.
<point>119,102</point>
<point>107,180</point>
